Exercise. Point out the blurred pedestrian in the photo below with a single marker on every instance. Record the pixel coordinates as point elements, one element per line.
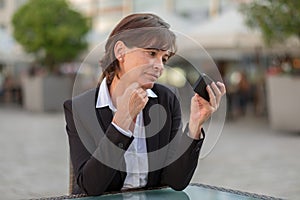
<point>243,93</point>
<point>1,85</point>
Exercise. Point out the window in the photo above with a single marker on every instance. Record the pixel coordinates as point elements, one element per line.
<point>2,27</point>
<point>19,3</point>
<point>2,4</point>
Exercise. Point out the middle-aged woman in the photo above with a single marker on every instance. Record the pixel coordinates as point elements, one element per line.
<point>126,133</point>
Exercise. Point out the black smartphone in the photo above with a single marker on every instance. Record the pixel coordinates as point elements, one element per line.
<point>200,86</point>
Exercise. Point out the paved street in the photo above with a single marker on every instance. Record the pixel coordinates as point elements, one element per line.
<point>251,157</point>
<point>248,157</point>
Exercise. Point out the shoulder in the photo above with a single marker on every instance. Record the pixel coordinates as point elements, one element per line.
<point>167,95</point>
<point>165,91</point>
<point>88,95</point>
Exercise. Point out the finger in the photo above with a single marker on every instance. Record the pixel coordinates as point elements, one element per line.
<point>142,103</point>
<point>217,92</point>
<point>198,99</point>
<point>221,87</point>
<point>142,93</point>
<point>136,96</point>
<point>132,89</point>
<point>212,97</point>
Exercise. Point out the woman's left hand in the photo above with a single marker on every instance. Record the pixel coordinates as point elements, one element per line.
<point>201,109</point>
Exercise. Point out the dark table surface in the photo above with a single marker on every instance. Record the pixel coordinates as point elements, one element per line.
<point>192,192</point>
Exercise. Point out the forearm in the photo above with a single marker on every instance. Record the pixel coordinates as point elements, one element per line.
<point>99,170</point>
<point>195,130</point>
<point>94,177</point>
<point>96,156</point>
<point>123,120</point>
<point>178,174</point>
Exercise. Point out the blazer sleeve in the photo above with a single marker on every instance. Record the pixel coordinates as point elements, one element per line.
<point>178,174</point>
<point>92,176</point>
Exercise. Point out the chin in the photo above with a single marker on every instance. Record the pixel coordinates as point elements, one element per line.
<point>148,85</point>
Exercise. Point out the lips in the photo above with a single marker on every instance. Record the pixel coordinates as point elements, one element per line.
<point>153,75</point>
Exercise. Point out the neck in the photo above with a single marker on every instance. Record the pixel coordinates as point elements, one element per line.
<point>116,89</point>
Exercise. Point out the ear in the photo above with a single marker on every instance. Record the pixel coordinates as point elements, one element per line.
<point>119,50</point>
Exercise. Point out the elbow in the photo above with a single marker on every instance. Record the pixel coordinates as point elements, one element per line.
<point>177,183</point>
<point>90,188</point>
<point>93,191</point>
<point>178,187</point>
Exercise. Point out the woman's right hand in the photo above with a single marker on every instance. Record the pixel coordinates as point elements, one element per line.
<point>129,105</point>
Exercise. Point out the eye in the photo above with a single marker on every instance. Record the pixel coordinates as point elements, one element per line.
<point>164,60</point>
<point>152,53</point>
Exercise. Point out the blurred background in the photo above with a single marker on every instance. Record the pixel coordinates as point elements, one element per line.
<point>50,49</point>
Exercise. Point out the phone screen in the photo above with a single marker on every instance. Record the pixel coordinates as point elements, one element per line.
<point>200,86</point>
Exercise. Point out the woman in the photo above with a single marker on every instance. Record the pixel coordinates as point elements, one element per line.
<point>127,133</point>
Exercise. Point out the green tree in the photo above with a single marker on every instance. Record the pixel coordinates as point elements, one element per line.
<point>277,19</point>
<point>51,30</point>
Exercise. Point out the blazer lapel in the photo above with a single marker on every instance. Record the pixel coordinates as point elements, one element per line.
<point>104,116</point>
<point>151,122</point>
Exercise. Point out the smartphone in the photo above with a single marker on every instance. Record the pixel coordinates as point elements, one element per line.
<point>200,86</point>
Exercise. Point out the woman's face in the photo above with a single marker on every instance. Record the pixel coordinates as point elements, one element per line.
<point>144,66</point>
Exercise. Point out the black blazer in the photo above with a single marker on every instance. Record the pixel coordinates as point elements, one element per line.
<point>172,155</point>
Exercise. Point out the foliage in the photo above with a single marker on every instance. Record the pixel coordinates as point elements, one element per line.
<point>277,19</point>
<point>51,30</point>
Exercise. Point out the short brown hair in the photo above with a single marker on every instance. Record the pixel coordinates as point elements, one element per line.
<point>137,30</point>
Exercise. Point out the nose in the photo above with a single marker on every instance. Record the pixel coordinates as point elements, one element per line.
<point>158,65</point>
